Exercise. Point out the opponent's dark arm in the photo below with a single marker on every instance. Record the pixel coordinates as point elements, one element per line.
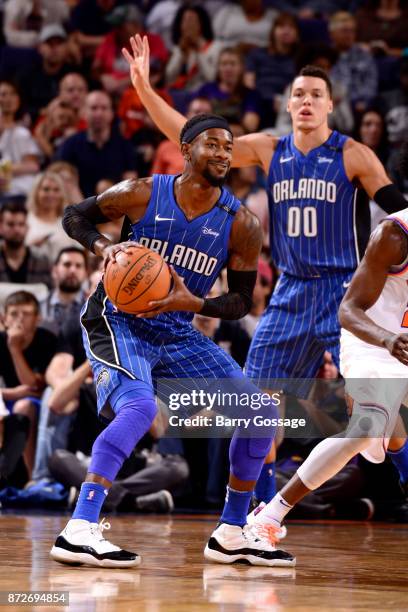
<point>245,247</point>
<point>387,247</point>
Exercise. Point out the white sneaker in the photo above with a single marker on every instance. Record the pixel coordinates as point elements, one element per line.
<point>281,532</point>
<point>82,543</point>
<point>251,544</point>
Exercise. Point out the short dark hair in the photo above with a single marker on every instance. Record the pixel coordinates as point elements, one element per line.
<point>21,298</point>
<point>14,206</point>
<point>194,120</point>
<point>71,249</point>
<point>319,73</point>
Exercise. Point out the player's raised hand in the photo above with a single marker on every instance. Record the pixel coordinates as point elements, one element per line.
<point>179,298</point>
<point>139,60</point>
<point>397,346</point>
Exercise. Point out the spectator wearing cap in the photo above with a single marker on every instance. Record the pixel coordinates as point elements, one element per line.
<point>110,67</point>
<point>23,19</point>
<point>99,152</point>
<point>18,262</point>
<point>20,155</point>
<point>40,82</point>
<point>355,67</point>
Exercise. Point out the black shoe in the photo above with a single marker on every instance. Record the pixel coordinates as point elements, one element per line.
<point>160,502</point>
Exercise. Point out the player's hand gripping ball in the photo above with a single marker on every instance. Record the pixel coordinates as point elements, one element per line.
<point>135,278</point>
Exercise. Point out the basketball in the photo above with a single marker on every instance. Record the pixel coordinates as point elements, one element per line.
<point>136,278</point>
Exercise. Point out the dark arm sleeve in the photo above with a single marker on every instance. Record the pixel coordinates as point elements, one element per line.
<point>79,222</point>
<point>390,199</point>
<point>237,302</point>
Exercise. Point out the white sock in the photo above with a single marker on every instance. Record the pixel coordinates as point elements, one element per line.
<point>274,512</point>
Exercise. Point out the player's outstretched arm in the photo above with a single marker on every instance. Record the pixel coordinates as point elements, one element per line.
<point>80,221</point>
<point>387,247</point>
<point>363,166</point>
<point>249,150</point>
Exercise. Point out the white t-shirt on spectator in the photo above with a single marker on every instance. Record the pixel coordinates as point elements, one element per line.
<point>15,143</point>
<point>232,27</point>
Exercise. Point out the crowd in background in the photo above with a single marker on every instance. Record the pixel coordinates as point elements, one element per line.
<point>71,125</point>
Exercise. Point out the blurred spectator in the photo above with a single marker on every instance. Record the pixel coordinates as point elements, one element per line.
<point>194,56</point>
<point>40,82</point>
<point>110,67</point>
<point>262,291</point>
<point>67,298</point>
<point>131,111</point>
<point>248,25</point>
<point>88,24</point>
<point>161,16</point>
<point>14,430</point>
<point>45,204</point>
<point>228,94</point>
<point>19,263</point>
<point>23,19</point>
<point>99,152</point>
<point>73,90</point>
<point>168,158</point>
<point>341,118</point>
<point>382,24</point>
<point>70,177</point>
<point>394,105</point>
<point>19,152</point>
<point>270,70</point>
<point>58,121</point>
<point>243,184</point>
<point>355,67</point>
<point>26,351</point>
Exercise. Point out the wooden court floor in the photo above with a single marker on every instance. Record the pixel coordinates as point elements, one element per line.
<point>342,566</point>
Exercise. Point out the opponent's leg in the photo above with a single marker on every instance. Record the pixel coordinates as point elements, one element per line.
<point>82,541</point>
<point>398,453</point>
<point>325,460</point>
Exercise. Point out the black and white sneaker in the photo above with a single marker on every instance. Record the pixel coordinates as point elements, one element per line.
<point>82,543</point>
<point>251,544</point>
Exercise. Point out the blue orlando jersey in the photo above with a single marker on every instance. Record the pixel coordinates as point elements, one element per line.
<point>197,249</point>
<point>312,209</point>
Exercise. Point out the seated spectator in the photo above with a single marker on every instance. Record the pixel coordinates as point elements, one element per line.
<point>131,111</point>
<point>14,430</point>
<point>20,155</point>
<point>248,25</point>
<point>383,26</point>
<point>58,122</point>
<point>99,152</point>
<point>262,291</point>
<point>70,177</point>
<point>271,69</point>
<point>355,67</point>
<point>26,351</point>
<point>45,204</point>
<point>23,19</point>
<point>88,24</point>
<point>67,298</point>
<point>194,56</point>
<point>73,90</point>
<point>110,67</point>
<point>168,158</point>
<point>41,81</point>
<point>341,118</point>
<point>228,94</point>
<point>19,263</point>
<point>243,184</point>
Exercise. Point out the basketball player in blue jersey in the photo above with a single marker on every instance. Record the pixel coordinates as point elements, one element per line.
<point>314,178</point>
<point>199,227</point>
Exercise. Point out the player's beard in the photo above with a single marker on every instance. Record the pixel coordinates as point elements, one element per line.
<point>215,181</point>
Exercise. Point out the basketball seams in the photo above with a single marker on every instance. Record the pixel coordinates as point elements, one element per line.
<point>145,254</point>
<point>147,288</point>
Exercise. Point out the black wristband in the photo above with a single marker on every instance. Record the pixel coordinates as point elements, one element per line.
<point>79,222</point>
<point>390,199</point>
<point>237,302</point>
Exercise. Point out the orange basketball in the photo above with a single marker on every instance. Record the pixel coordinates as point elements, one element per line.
<point>136,278</point>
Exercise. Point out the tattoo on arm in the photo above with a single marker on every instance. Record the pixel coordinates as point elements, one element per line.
<point>245,241</point>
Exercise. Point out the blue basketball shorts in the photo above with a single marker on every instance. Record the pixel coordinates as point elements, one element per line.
<point>298,326</point>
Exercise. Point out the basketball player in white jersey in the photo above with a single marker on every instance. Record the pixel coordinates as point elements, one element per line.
<point>374,360</point>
